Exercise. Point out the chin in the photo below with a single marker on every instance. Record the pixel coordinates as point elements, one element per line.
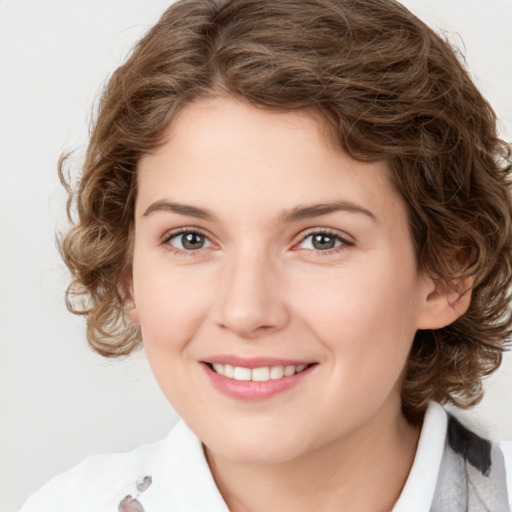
<point>257,448</point>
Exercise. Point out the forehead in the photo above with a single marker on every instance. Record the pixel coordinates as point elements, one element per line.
<point>225,149</point>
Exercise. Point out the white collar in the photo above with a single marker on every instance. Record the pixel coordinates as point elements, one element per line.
<point>189,485</point>
<point>420,486</point>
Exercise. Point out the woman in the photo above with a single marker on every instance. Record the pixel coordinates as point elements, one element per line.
<point>301,210</point>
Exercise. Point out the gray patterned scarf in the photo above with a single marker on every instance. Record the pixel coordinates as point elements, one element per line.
<point>472,474</point>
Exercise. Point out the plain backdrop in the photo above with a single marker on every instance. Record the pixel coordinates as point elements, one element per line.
<point>59,402</point>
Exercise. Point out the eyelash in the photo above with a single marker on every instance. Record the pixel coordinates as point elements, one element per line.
<point>344,243</point>
<point>184,231</point>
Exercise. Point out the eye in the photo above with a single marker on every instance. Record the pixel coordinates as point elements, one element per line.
<point>188,240</point>
<point>323,241</point>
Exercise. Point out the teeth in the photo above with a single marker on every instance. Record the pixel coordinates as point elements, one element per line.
<point>229,371</point>
<point>289,371</point>
<point>257,374</point>
<point>260,374</point>
<point>276,372</point>
<point>242,373</point>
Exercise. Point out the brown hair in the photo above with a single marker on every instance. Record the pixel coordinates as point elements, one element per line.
<point>390,89</point>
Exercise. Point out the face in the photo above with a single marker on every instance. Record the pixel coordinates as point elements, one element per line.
<point>274,281</point>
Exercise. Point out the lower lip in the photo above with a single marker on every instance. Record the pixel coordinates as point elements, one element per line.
<point>253,390</point>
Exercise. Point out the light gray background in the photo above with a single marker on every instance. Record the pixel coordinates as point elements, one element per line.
<point>59,402</point>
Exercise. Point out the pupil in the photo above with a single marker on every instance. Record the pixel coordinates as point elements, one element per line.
<point>323,242</point>
<point>192,241</point>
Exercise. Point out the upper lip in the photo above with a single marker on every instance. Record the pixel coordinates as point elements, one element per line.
<point>255,362</point>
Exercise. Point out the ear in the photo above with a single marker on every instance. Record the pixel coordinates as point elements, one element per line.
<point>130,306</point>
<point>444,302</point>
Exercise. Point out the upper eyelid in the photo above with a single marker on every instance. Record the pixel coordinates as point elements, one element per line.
<point>345,237</point>
<point>171,233</point>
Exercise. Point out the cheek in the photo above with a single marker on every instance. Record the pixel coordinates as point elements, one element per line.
<point>172,310</point>
<point>366,319</point>
<point>171,306</point>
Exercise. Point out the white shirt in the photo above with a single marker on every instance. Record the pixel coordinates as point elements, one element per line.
<point>182,481</point>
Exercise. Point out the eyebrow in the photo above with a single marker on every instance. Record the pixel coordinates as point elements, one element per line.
<point>287,216</point>
<point>181,209</point>
<point>317,210</point>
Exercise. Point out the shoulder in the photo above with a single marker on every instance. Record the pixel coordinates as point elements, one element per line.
<point>97,482</point>
<point>145,478</point>
<point>455,468</point>
<point>473,472</point>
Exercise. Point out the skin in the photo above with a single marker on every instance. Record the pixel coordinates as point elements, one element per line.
<point>258,286</point>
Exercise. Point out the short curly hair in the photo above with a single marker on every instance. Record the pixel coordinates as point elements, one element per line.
<point>390,89</point>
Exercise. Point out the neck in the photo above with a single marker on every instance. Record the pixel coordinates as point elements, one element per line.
<point>364,471</point>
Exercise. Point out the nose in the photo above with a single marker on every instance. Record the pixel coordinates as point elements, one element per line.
<point>251,299</point>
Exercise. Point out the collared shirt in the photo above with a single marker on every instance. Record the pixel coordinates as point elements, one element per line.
<point>173,475</point>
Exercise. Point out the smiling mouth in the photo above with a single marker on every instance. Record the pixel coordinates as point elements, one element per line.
<point>255,379</point>
<point>262,374</point>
